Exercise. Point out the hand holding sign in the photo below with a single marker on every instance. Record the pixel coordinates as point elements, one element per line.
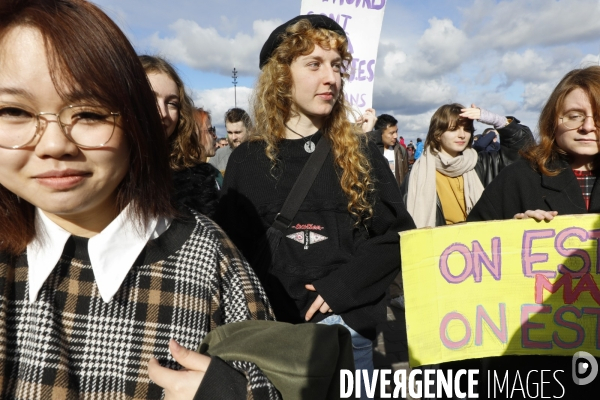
<point>538,215</point>
<point>503,288</point>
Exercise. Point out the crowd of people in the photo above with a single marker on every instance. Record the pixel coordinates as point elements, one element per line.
<point>130,231</point>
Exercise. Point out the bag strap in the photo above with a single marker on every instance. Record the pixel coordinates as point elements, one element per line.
<point>303,183</point>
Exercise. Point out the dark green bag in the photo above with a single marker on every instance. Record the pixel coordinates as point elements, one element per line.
<point>302,361</point>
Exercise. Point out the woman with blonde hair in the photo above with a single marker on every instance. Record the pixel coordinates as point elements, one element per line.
<point>339,252</point>
<point>196,182</point>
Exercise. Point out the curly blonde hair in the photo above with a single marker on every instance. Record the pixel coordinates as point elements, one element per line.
<point>184,142</point>
<point>272,108</point>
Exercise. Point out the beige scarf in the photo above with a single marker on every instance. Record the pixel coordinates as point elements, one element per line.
<point>422,194</point>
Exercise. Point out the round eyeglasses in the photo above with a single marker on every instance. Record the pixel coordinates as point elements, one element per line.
<point>88,127</point>
<point>574,120</point>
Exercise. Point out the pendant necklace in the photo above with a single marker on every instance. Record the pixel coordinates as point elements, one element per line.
<point>309,146</point>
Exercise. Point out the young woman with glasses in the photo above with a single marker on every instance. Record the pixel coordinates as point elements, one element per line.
<point>558,176</point>
<point>99,274</point>
<point>196,182</point>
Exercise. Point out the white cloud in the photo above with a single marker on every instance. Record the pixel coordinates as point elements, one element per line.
<point>412,97</point>
<point>590,59</point>
<point>530,66</point>
<point>412,80</point>
<point>414,126</point>
<point>205,49</point>
<point>218,101</point>
<point>536,94</point>
<point>511,24</point>
<point>442,48</point>
<point>391,62</point>
<point>505,55</point>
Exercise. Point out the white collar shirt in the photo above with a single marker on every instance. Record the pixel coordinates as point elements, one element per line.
<point>112,252</point>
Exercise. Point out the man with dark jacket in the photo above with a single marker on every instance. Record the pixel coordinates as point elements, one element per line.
<point>385,135</point>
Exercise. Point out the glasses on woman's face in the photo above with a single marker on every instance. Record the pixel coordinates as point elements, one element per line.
<point>88,127</point>
<point>574,120</point>
<point>212,131</point>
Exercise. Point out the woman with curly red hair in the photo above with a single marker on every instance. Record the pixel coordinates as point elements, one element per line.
<point>340,252</point>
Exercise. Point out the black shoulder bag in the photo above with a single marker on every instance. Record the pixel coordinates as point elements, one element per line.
<point>264,259</point>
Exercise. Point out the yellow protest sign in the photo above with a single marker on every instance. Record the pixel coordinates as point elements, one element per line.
<point>502,287</point>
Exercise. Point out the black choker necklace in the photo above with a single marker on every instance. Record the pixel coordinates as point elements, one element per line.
<point>309,146</point>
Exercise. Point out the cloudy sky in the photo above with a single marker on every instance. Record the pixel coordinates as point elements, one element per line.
<point>505,56</point>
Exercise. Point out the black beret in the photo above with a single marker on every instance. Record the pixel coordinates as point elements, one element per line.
<point>276,37</point>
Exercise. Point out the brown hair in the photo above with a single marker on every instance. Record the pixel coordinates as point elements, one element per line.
<point>234,115</point>
<point>184,143</point>
<point>201,116</point>
<point>272,108</point>
<point>446,118</point>
<point>543,155</point>
<point>90,57</point>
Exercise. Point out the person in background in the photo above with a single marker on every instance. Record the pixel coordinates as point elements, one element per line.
<point>207,133</point>
<point>410,150</point>
<point>418,149</point>
<point>487,141</point>
<point>447,181</point>
<point>352,213</point>
<point>401,142</point>
<point>208,145</point>
<point>194,180</point>
<point>238,126</point>
<point>443,187</point>
<point>100,275</point>
<point>222,142</point>
<point>384,136</point>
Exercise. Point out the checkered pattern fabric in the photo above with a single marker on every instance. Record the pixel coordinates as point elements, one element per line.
<point>71,344</point>
<point>586,180</point>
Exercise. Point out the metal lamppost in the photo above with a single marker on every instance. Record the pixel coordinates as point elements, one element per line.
<point>234,76</point>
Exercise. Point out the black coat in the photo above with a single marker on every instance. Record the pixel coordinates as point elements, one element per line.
<point>196,187</point>
<point>520,188</point>
<point>517,189</point>
<point>513,138</point>
<point>400,155</point>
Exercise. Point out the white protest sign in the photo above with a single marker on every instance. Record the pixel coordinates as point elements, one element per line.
<point>361,20</point>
